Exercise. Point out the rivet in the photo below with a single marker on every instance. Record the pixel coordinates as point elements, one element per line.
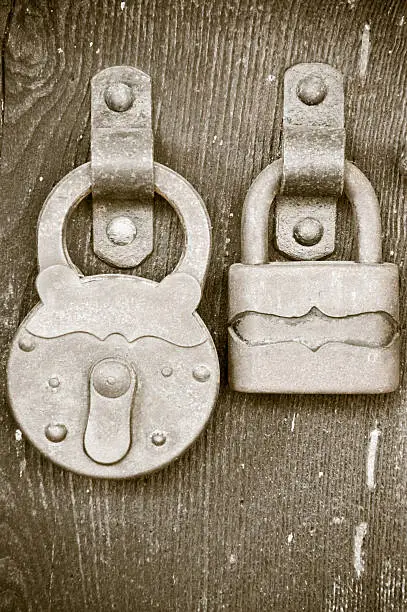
<point>308,231</point>
<point>312,90</point>
<point>119,97</point>
<point>166,371</point>
<point>201,373</point>
<point>26,344</point>
<point>54,382</point>
<point>56,432</point>
<point>111,378</point>
<point>158,438</point>
<point>121,231</point>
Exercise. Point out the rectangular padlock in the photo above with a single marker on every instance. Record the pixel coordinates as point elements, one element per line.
<point>313,326</point>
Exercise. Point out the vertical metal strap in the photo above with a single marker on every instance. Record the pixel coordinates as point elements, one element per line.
<point>122,165</point>
<point>313,161</point>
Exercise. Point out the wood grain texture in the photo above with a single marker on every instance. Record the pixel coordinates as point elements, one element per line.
<point>271,508</point>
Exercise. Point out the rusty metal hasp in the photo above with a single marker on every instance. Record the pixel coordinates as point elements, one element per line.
<point>114,375</point>
<point>122,165</point>
<point>313,326</point>
<point>313,161</point>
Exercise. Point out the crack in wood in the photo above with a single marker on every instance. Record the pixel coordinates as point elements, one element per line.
<point>4,42</point>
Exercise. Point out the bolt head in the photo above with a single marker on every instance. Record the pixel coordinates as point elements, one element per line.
<point>26,343</point>
<point>201,373</point>
<point>312,90</point>
<point>166,371</point>
<point>119,97</point>
<point>121,231</point>
<point>54,382</point>
<point>308,231</point>
<point>158,438</point>
<point>111,378</point>
<point>56,432</point>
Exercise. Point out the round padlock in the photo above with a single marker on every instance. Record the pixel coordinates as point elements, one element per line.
<point>114,375</point>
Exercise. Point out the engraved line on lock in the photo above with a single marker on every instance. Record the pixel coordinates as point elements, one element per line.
<point>316,329</point>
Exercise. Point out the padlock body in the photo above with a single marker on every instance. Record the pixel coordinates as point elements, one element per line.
<point>175,375</point>
<point>314,327</point>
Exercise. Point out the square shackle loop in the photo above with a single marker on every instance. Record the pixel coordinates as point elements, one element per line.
<point>263,191</point>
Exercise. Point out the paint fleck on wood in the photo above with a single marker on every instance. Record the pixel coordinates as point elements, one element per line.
<point>358,552</point>
<point>364,52</point>
<point>371,458</point>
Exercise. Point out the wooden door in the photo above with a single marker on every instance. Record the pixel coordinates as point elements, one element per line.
<point>285,502</point>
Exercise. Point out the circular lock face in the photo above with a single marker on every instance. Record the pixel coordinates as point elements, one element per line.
<point>111,407</point>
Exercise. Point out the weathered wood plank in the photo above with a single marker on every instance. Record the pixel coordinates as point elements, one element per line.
<point>271,508</point>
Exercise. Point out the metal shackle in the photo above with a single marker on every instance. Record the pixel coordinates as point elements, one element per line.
<point>76,185</point>
<point>256,210</point>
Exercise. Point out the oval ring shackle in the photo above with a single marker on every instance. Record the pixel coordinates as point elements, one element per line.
<point>76,185</point>
<point>256,210</point>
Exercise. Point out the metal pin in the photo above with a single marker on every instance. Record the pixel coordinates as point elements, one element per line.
<point>26,344</point>
<point>158,438</point>
<point>308,231</point>
<point>119,97</point>
<point>201,373</point>
<point>312,90</point>
<point>56,432</point>
<point>166,371</point>
<point>111,378</point>
<point>54,382</point>
<point>121,231</point>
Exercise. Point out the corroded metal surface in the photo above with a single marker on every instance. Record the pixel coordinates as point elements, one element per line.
<point>313,158</point>
<point>313,134</point>
<point>174,188</point>
<point>331,351</point>
<point>122,372</point>
<point>302,327</point>
<point>122,165</point>
<point>260,197</point>
<point>143,306</point>
<point>112,386</point>
<point>177,405</point>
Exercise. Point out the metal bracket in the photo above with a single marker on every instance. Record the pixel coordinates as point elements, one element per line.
<point>122,165</point>
<point>313,161</point>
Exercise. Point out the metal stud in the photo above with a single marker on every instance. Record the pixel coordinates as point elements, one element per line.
<point>26,344</point>
<point>121,231</point>
<point>308,231</point>
<point>119,97</point>
<point>56,432</point>
<point>201,373</point>
<point>166,371</point>
<point>111,378</point>
<point>158,438</point>
<point>312,90</point>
